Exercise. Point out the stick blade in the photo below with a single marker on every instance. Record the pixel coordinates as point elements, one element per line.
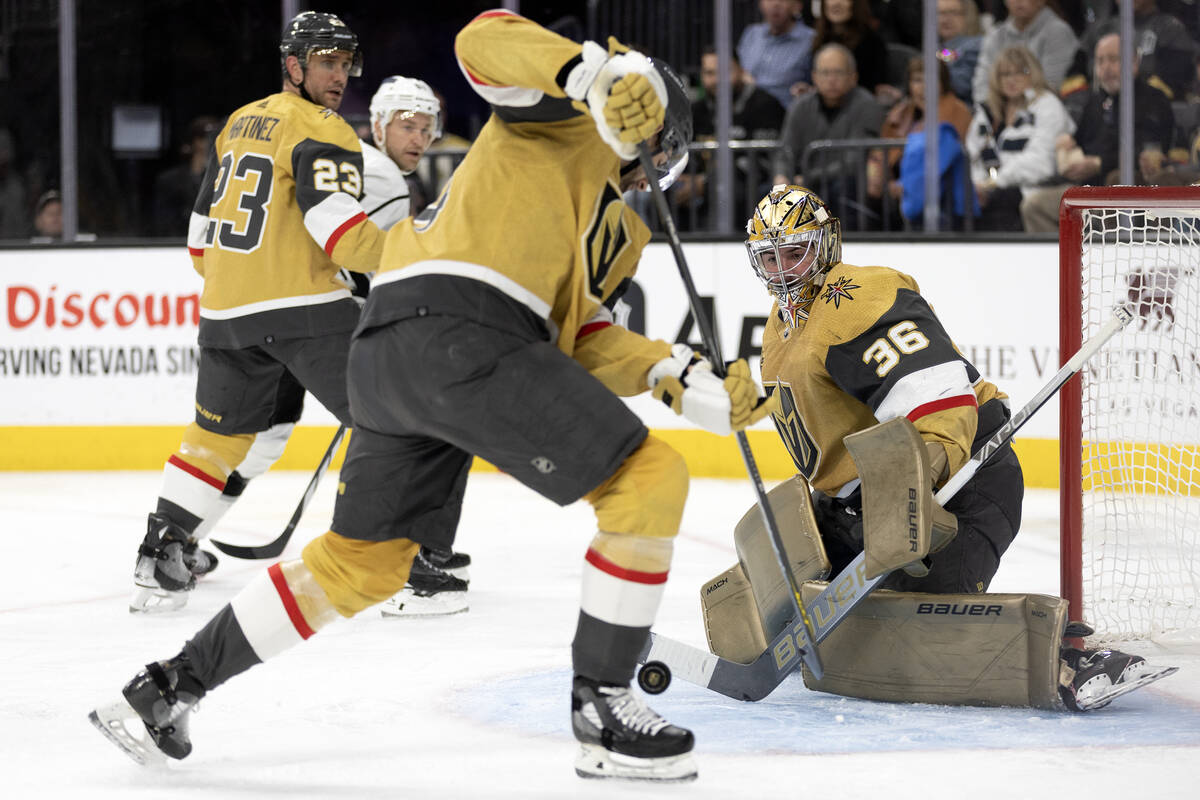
<point>269,550</point>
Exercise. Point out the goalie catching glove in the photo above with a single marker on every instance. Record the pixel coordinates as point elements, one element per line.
<point>624,93</point>
<point>685,382</point>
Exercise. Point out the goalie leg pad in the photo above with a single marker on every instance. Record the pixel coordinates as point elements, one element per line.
<point>792,505</point>
<point>731,619</point>
<point>974,649</point>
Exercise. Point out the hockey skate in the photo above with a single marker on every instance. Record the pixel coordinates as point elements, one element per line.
<point>1094,678</point>
<point>199,562</point>
<point>430,592</point>
<point>449,561</point>
<point>621,737</point>
<point>152,720</point>
<point>162,577</point>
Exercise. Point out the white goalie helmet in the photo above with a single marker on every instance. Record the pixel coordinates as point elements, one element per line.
<point>400,95</point>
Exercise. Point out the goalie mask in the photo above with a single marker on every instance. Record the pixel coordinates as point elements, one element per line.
<point>313,32</point>
<point>404,96</point>
<point>794,240</point>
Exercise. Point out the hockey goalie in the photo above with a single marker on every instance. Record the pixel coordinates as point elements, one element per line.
<point>878,408</point>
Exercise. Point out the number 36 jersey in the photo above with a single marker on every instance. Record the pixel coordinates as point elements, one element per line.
<point>872,349</point>
<point>277,214</point>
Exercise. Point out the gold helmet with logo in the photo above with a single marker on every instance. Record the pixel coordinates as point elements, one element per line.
<point>794,239</point>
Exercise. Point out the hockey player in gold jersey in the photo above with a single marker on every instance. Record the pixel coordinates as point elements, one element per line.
<point>498,298</point>
<point>848,347</point>
<point>877,408</point>
<point>277,214</point>
<point>405,118</point>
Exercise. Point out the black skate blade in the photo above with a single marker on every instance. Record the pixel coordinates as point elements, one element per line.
<point>111,721</point>
<point>1125,687</point>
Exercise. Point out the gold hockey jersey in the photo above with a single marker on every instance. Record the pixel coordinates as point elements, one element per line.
<point>533,211</point>
<point>277,214</point>
<point>872,349</point>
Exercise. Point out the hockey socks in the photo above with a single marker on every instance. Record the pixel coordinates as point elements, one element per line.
<point>617,608</point>
<point>276,610</point>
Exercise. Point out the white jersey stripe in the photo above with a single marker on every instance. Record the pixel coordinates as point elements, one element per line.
<point>938,382</point>
<point>465,269</point>
<point>327,217</point>
<point>197,232</point>
<point>272,305</point>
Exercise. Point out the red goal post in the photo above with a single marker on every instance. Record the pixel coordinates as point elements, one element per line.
<point>1129,427</point>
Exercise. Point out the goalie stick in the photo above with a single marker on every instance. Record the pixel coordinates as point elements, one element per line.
<point>274,548</point>
<point>756,680</point>
<point>803,644</point>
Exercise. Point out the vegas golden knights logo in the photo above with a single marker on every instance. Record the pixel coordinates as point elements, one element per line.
<point>606,237</point>
<point>796,438</point>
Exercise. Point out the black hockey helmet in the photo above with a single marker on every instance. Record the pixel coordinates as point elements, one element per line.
<point>312,32</point>
<point>676,133</point>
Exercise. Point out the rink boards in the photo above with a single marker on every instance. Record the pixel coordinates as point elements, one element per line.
<point>98,357</point>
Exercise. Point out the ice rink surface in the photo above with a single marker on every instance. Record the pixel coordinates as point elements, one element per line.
<point>476,705</point>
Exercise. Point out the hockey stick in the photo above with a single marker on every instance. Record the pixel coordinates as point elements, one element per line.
<point>274,548</point>
<point>804,647</point>
<point>759,678</point>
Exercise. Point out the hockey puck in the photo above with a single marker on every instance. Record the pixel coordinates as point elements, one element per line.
<point>654,677</point>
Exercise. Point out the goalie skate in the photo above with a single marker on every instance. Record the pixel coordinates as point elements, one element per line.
<point>621,737</point>
<point>430,592</point>
<point>1101,676</point>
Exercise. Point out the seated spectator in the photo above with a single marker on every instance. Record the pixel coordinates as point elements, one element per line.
<point>1011,139</point>
<point>755,115</point>
<point>1165,49</point>
<point>1092,156</point>
<point>175,188</point>
<point>756,112</point>
<point>47,218</point>
<point>908,116</point>
<point>777,52</point>
<point>849,22</point>
<point>1032,24</point>
<point>838,109</point>
<point>959,41</point>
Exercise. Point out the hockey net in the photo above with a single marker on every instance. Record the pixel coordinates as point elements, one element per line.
<point>1130,427</point>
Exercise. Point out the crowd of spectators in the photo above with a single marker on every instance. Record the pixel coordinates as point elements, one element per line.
<point>1029,92</point>
<point>1028,104</point>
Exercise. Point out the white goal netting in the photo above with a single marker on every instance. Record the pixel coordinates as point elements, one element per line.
<point>1140,424</point>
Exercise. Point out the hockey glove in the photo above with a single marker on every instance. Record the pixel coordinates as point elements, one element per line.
<point>624,93</point>
<point>685,382</point>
